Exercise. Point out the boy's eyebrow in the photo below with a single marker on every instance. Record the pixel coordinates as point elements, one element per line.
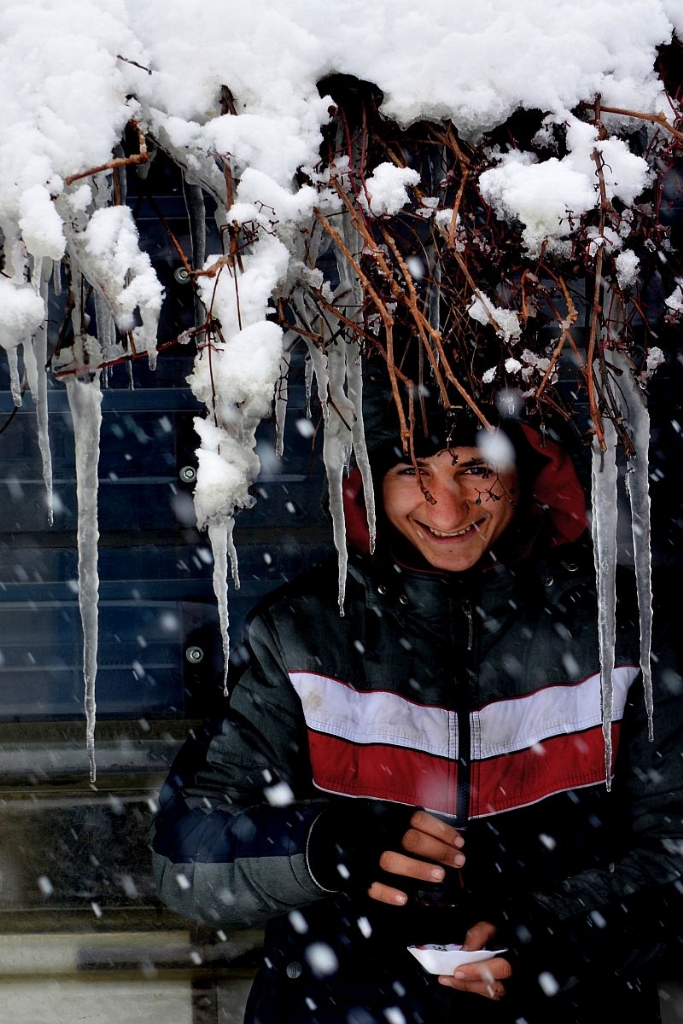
<point>476,460</point>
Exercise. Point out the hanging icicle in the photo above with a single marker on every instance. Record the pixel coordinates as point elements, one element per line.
<point>604,531</point>
<point>85,402</point>
<point>635,413</point>
<point>223,548</point>
<point>282,394</point>
<point>354,375</point>
<point>338,374</point>
<point>337,450</point>
<point>39,390</point>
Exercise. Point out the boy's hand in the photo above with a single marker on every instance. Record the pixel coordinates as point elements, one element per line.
<point>485,978</point>
<point>364,845</point>
<point>427,840</point>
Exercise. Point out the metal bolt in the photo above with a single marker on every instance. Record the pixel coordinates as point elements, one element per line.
<point>188,474</point>
<point>182,275</point>
<point>194,655</point>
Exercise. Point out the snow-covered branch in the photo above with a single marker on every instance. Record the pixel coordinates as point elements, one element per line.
<point>454,214</point>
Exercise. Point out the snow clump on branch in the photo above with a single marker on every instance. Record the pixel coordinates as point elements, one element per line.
<point>231,98</point>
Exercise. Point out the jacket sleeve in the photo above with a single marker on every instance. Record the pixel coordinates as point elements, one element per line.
<point>234,814</point>
<point>617,919</point>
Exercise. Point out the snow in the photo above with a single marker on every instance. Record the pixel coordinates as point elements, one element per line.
<point>655,358</point>
<point>40,224</point>
<point>387,189</point>
<point>111,258</point>
<point>322,959</point>
<point>505,321</point>
<point>74,73</point>
<point>496,448</point>
<point>21,312</point>
<point>298,922</point>
<point>627,265</point>
<point>548,196</point>
<point>675,300</point>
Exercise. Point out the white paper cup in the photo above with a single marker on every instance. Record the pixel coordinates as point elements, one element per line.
<point>445,959</point>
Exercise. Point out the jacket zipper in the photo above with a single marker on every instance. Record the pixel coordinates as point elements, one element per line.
<point>467,608</point>
<point>464,733</point>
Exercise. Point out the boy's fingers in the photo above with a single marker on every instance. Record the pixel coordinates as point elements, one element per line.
<point>425,822</point>
<point>485,979</point>
<point>489,989</point>
<point>431,848</point>
<point>479,935</point>
<point>410,867</point>
<point>386,894</point>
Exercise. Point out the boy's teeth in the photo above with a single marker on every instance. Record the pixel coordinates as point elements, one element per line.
<point>454,533</point>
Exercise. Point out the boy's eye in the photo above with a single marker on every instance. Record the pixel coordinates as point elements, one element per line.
<point>483,471</point>
<point>408,471</point>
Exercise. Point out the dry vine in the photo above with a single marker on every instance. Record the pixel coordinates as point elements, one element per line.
<point>467,253</point>
<point>420,271</point>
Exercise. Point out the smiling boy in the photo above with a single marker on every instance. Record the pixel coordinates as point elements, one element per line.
<point>442,747</point>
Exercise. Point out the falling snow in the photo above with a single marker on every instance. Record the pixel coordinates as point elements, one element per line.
<point>70,96</point>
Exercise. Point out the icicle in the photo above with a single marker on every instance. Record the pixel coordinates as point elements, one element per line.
<point>38,385</point>
<point>15,382</point>
<point>79,317</point>
<point>604,531</point>
<point>337,448</point>
<point>37,273</point>
<point>106,325</point>
<point>308,380</point>
<point>330,371</point>
<point>232,555</point>
<point>344,429</point>
<point>355,389</point>
<point>196,212</point>
<point>57,278</point>
<point>281,396</point>
<point>336,454</point>
<point>223,547</point>
<point>338,414</point>
<point>635,412</point>
<point>85,402</point>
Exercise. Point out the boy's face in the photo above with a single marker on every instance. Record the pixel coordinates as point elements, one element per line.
<point>473,503</point>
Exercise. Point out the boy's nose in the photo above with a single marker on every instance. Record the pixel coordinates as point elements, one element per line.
<point>451,503</point>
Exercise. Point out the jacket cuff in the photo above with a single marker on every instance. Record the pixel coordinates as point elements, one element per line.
<point>315,864</point>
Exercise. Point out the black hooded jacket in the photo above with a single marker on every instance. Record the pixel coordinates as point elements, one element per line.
<point>474,695</point>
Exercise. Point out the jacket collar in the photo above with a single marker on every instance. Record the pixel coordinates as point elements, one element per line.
<point>407,593</point>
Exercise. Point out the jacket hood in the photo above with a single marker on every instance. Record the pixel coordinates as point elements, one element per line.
<point>552,513</point>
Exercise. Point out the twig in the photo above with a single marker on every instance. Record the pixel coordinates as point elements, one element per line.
<point>659,119</point>
<point>471,282</point>
<point>128,357</point>
<point>566,324</point>
<point>456,208</point>
<point>386,316</point>
<point>423,325</point>
<point>122,161</point>
<point>135,64</point>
